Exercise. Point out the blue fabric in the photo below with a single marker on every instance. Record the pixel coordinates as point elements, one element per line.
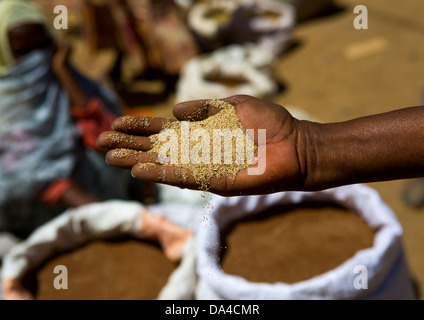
<point>40,143</point>
<point>37,134</point>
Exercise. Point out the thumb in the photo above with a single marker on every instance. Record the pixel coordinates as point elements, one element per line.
<point>195,110</point>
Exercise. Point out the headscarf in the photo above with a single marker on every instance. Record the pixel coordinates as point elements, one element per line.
<point>12,14</point>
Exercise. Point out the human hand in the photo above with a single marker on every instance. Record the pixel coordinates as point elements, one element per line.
<point>282,165</point>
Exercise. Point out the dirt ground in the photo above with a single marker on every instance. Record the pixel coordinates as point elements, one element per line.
<point>335,72</point>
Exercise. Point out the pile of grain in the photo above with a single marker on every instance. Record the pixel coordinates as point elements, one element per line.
<point>210,153</point>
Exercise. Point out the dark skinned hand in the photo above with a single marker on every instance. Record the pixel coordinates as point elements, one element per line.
<point>282,170</point>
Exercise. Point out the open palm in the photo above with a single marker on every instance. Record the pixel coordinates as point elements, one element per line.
<point>278,156</point>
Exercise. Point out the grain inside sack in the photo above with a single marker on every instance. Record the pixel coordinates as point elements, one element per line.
<point>302,241</point>
<point>110,269</point>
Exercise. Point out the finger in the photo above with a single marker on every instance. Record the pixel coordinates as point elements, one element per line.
<point>114,140</point>
<point>177,177</point>
<point>195,110</point>
<point>140,125</point>
<point>127,158</point>
<point>170,175</point>
<point>198,110</point>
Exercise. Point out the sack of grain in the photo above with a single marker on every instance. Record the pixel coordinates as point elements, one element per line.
<point>258,55</point>
<point>221,23</point>
<point>111,231</point>
<point>227,72</point>
<point>307,9</point>
<point>205,19</point>
<point>379,271</point>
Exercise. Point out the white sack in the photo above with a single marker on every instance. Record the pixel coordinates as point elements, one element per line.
<point>258,56</point>
<point>77,226</point>
<point>200,22</point>
<point>245,22</point>
<point>388,274</point>
<point>193,85</point>
<point>182,282</point>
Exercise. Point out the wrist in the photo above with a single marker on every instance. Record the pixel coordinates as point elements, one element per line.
<point>381,147</point>
<point>329,155</point>
<point>307,138</point>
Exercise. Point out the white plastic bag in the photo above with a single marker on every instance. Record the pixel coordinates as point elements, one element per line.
<point>388,274</point>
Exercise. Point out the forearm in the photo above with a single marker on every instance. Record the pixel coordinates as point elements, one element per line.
<point>76,197</point>
<point>381,147</point>
<point>67,193</point>
<point>79,98</point>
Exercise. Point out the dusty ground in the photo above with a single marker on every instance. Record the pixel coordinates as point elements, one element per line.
<point>335,72</point>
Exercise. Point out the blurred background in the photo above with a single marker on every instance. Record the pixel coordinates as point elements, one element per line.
<point>325,69</point>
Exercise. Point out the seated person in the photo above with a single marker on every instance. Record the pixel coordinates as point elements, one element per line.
<point>50,117</point>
